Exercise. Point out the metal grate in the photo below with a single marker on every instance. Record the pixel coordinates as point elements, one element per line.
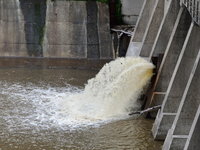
<point>193,7</point>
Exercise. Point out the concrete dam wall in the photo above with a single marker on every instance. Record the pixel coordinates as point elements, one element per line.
<point>55,28</point>
<point>169,30</point>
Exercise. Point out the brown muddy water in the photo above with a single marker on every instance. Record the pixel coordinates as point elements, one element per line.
<point>31,116</point>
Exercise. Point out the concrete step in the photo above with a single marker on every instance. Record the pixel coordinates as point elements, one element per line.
<point>179,78</point>
<point>186,121</point>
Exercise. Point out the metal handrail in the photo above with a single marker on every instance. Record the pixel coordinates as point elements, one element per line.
<point>193,7</point>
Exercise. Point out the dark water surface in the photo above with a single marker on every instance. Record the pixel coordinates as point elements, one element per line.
<point>30,118</point>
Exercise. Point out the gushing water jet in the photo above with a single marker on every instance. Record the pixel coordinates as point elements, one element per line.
<point>113,91</point>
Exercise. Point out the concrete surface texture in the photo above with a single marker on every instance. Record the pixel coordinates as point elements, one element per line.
<point>177,82</point>
<point>153,28</point>
<point>59,28</point>
<point>141,28</point>
<point>131,10</point>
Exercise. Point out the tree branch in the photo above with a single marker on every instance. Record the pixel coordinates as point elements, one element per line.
<point>146,110</point>
<point>122,31</point>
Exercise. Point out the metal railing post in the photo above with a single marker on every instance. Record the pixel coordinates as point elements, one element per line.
<point>193,7</point>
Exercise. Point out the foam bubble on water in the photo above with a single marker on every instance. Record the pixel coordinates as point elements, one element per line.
<point>112,92</point>
<point>31,106</point>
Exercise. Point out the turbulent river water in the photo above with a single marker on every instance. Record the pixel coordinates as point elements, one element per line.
<point>44,109</point>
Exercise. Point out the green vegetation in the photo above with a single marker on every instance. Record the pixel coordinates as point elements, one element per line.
<point>118,10</point>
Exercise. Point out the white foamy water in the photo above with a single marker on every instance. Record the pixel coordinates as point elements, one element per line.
<point>52,109</point>
<point>112,93</point>
<point>109,96</point>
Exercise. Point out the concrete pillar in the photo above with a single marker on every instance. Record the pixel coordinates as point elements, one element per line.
<point>187,116</point>
<point>171,60</point>
<point>153,28</point>
<point>77,29</point>
<point>171,11</point>
<point>12,34</point>
<point>92,30</point>
<point>144,19</point>
<point>55,28</point>
<point>65,29</point>
<point>105,40</point>
<point>183,67</point>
